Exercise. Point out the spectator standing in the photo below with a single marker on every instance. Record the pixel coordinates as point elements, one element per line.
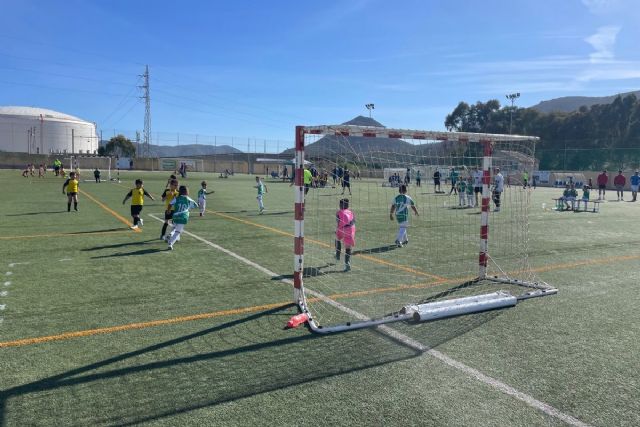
<point>619,181</point>
<point>602,181</point>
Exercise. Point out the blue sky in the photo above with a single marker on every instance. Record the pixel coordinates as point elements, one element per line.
<point>257,69</point>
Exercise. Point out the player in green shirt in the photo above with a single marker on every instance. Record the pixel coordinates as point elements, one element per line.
<point>261,190</point>
<point>202,197</point>
<point>181,206</point>
<point>400,206</point>
<point>461,187</point>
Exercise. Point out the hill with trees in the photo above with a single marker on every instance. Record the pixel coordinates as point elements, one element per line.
<point>591,138</point>
<point>568,104</point>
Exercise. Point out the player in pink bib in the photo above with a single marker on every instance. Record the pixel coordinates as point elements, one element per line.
<point>345,232</point>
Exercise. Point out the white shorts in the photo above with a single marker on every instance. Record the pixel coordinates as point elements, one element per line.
<point>634,188</point>
<point>203,204</point>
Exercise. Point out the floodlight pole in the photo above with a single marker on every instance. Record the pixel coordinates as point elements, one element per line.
<point>370,107</point>
<point>512,97</point>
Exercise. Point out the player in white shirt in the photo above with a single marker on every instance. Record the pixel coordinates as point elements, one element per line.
<point>498,188</point>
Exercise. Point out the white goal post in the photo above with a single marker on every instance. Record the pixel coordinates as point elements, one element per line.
<point>452,266</point>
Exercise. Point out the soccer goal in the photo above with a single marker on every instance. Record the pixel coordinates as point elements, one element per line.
<point>458,256</point>
<point>86,165</point>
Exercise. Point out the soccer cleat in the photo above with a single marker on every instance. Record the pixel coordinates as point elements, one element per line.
<point>398,243</point>
<point>405,242</point>
<point>261,210</point>
<point>134,227</point>
<point>498,210</point>
<point>347,267</point>
<point>170,247</point>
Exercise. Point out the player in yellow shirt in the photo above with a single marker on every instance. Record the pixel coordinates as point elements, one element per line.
<point>71,185</point>
<point>167,197</point>
<point>137,201</point>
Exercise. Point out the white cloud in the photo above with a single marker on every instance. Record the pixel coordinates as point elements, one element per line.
<point>599,6</point>
<point>603,42</point>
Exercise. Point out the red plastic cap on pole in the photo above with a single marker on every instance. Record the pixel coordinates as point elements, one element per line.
<point>297,320</point>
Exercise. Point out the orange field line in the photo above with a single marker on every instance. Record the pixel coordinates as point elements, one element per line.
<point>108,209</point>
<point>140,325</point>
<point>317,242</point>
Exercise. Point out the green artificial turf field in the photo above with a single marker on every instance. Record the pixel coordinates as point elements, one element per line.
<point>102,325</point>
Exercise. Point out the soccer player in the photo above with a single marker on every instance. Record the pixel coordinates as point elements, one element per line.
<point>418,178</point>
<point>41,171</point>
<point>263,189</point>
<point>635,183</point>
<point>345,232</point>
<point>400,206</point>
<point>477,184</point>
<point>453,176</point>
<point>585,197</point>
<point>498,188</point>
<point>202,197</point>
<point>71,185</point>
<point>470,193</point>
<point>308,177</point>
<point>181,206</point>
<point>137,201</point>
<point>96,175</point>
<point>461,188</point>
<point>436,182</point>
<point>167,197</point>
<point>346,180</point>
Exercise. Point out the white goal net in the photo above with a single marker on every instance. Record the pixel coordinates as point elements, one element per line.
<point>458,255</point>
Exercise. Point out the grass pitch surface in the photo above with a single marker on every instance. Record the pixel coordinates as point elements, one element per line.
<point>102,325</point>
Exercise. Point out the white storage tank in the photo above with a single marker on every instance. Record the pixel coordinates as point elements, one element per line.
<point>41,131</point>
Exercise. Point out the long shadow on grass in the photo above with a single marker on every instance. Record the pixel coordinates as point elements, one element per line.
<point>309,272</point>
<point>378,250</point>
<point>120,245</point>
<point>271,213</point>
<point>227,362</point>
<point>37,213</point>
<point>134,253</point>
<point>100,231</point>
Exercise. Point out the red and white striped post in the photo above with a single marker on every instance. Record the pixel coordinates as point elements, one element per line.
<point>298,239</point>
<point>484,219</point>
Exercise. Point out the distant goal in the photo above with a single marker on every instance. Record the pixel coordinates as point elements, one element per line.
<point>461,256</point>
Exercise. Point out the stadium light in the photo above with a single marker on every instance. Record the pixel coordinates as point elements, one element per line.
<point>370,107</point>
<point>512,97</point>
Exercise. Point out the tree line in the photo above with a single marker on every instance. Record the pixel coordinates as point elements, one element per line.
<point>591,138</point>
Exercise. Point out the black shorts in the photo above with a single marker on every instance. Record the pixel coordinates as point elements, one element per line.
<point>477,189</point>
<point>72,194</point>
<point>602,186</point>
<point>168,215</point>
<point>436,182</point>
<point>135,210</point>
<point>346,184</point>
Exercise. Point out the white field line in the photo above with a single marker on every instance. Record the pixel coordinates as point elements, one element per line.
<point>410,342</point>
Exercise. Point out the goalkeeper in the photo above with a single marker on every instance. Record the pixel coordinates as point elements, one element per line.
<point>345,232</point>
<point>400,206</point>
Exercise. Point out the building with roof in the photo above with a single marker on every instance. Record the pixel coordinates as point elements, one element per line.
<point>41,131</point>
